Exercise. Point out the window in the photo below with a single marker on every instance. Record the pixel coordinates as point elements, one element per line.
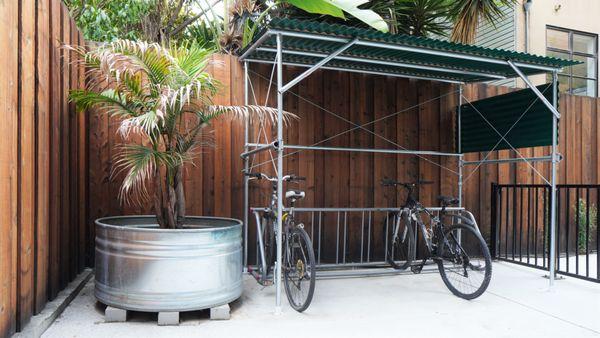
<point>580,79</point>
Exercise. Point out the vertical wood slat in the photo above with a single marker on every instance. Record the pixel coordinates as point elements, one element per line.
<point>8,164</point>
<point>43,153</point>
<point>26,165</point>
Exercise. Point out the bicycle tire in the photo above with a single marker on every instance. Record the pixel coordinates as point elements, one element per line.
<point>405,247</point>
<point>269,245</point>
<point>298,239</point>
<point>455,262</point>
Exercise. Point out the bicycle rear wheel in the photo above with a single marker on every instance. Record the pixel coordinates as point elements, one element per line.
<point>464,261</point>
<point>400,243</point>
<point>299,269</point>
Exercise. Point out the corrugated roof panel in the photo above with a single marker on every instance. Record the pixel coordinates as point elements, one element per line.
<point>534,127</point>
<point>371,56</point>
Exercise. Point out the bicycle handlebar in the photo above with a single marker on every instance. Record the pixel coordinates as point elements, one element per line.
<point>287,178</point>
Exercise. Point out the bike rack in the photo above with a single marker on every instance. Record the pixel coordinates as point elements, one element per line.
<point>346,221</point>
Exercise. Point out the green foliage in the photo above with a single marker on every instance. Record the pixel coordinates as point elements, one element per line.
<point>102,20</point>
<point>416,17</point>
<point>586,229</point>
<point>466,15</point>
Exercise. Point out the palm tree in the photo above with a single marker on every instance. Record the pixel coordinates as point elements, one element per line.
<point>467,14</point>
<point>415,17</point>
<point>163,95</point>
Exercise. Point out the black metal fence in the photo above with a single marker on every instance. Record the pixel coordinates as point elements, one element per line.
<point>520,230</point>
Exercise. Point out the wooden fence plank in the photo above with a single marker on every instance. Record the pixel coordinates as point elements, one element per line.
<point>26,164</point>
<point>43,153</point>
<point>8,165</point>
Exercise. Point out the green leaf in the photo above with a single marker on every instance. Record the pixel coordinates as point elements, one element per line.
<point>365,15</point>
<point>318,7</point>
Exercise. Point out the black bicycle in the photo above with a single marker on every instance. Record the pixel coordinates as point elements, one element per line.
<point>298,254</point>
<point>455,244</point>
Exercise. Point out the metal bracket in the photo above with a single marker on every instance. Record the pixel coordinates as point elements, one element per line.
<point>534,89</point>
<point>317,65</point>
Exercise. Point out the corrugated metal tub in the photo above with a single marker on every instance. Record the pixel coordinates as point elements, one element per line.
<point>144,268</point>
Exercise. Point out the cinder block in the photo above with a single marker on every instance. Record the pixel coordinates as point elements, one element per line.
<point>220,312</point>
<point>168,318</point>
<point>112,314</point>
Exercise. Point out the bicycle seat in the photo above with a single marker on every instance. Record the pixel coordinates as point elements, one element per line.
<point>295,194</point>
<point>446,201</point>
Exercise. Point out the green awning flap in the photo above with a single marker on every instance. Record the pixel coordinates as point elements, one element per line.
<point>533,129</point>
<point>304,43</point>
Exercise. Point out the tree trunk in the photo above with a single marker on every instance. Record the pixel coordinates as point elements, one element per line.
<point>158,199</point>
<point>180,196</point>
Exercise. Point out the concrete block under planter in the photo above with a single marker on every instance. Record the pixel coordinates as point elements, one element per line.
<point>141,267</point>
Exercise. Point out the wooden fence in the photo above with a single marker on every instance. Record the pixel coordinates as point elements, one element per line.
<point>424,120</point>
<point>43,165</point>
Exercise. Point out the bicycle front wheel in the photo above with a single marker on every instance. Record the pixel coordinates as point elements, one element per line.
<point>464,261</point>
<point>400,241</point>
<point>299,269</point>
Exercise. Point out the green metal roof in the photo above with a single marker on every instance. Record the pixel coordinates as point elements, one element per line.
<point>305,43</point>
<point>502,111</point>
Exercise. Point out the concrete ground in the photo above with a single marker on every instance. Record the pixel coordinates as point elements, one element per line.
<point>518,303</point>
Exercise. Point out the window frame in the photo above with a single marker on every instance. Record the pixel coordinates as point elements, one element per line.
<point>571,53</point>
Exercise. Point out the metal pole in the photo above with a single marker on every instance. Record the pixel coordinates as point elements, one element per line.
<point>460,159</point>
<point>279,175</point>
<point>246,167</point>
<point>555,118</point>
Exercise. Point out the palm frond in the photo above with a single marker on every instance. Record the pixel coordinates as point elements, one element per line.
<point>263,113</point>
<point>106,102</point>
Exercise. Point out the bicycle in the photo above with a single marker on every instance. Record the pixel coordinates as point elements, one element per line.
<point>459,250</point>
<point>298,264</point>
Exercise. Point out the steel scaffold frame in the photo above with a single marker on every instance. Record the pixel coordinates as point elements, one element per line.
<point>280,146</point>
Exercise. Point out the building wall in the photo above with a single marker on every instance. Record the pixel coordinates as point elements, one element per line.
<point>581,15</point>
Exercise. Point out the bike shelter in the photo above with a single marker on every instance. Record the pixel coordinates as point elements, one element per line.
<point>524,118</point>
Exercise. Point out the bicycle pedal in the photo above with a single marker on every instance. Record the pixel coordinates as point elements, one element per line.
<point>416,269</point>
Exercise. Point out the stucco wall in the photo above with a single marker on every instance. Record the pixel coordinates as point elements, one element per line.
<point>581,15</point>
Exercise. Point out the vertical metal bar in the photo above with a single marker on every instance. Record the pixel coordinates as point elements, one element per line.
<point>576,231</point>
<point>536,222</point>
<point>494,221</point>
<point>385,236</point>
<point>553,180</point>
<point>362,235</point>
<point>312,228</point>
<point>587,231</point>
<point>499,212</point>
<point>337,239</point>
<point>459,146</point>
<point>369,239</point>
<point>506,227</point>
<point>528,222</point>
<point>319,253</point>
<point>567,230</point>
<point>520,222</point>
<point>246,166</point>
<point>279,175</point>
<point>544,226</point>
<point>514,224</point>
<point>345,226</point>
<point>597,234</point>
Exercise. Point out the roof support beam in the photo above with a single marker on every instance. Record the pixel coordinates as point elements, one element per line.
<point>360,71</point>
<point>317,65</point>
<point>412,49</point>
<point>387,63</point>
<point>534,89</point>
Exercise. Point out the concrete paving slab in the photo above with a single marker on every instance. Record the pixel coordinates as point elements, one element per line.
<point>518,304</point>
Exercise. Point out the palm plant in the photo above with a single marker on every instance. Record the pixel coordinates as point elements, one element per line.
<point>415,17</point>
<point>467,14</point>
<point>164,96</point>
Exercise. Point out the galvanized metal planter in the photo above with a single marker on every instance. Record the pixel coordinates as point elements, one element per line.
<point>141,267</point>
